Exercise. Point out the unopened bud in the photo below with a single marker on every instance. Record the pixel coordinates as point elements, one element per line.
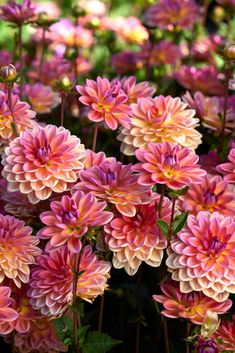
<point>8,73</point>
<point>229,51</point>
<point>45,21</point>
<point>77,11</point>
<point>64,84</point>
<point>218,14</point>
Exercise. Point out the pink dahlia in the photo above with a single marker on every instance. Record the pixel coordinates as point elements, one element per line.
<point>126,61</point>
<point>212,194</point>
<point>93,158</point>
<point>160,119</point>
<point>136,239</point>
<point>41,161</point>
<point>192,306</point>
<point>107,102</point>
<point>52,280</point>
<point>70,219</point>
<point>7,314</point>
<point>228,169</point>
<point>163,163</point>
<point>204,79</point>
<point>164,52</point>
<point>42,98</point>
<point>204,48</point>
<point>206,345</point>
<point>202,256</point>
<point>135,90</point>
<point>23,116</point>
<point>173,14</point>
<point>17,250</point>
<point>116,184</point>
<point>18,13</point>
<point>226,335</point>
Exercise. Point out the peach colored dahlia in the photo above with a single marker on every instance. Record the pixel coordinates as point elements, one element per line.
<point>52,280</point>
<point>42,98</point>
<point>7,314</point>
<point>23,116</point>
<point>228,169</point>
<point>17,250</point>
<point>70,219</point>
<point>41,161</point>
<point>116,184</point>
<point>192,306</point>
<point>226,335</point>
<point>160,119</point>
<point>136,239</point>
<point>107,102</point>
<point>202,256</point>
<point>163,163</point>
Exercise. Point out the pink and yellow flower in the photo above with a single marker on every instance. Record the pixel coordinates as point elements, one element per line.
<point>115,183</point>
<point>168,164</point>
<point>226,335</point>
<point>160,119</point>
<point>135,90</point>
<point>212,194</point>
<point>52,280</point>
<point>136,239</point>
<point>192,306</point>
<point>7,314</point>
<point>107,102</point>
<point>18,249</point>
<point>41,98</point>
<point>42,161</point>
<point>201,256</point>
<point>93,158</point>
<point>228,169</point>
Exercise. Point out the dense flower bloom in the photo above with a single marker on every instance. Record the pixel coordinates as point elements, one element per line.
<point>208,109</point>
<point>163,163</point>
<point>160,119</point>
<point>7,314</point>
<point>136,239</point>
<point>126,61</point>
<point>116,184</point>
<point>228,169</point>
<point>41,98</point>
<point>41,161</point>
<point>17,250</point>
<point>23,116</point>
<point>201,256</point>
<point>135,90</point>
<point>204,79</point>
<point>18,13</point>
<point>192,306</point>
<point>212,194</point>
<point>52,280</point>
<point>226,335</point>
<point>71,218</point>
<point>206,345</point>
<point>171,14</point>
<point>107,102</point>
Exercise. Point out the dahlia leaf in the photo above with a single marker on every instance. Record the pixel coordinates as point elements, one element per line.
<point>98,342</point>
<point>163,227</point>
<point>82,332</point>
<point>179,222</point>
<point>64,329</point>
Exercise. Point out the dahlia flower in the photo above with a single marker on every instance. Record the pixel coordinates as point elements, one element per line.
<point>204,79</point>
<point>18,13</point>
<point>82,66</point>
<point>228,169</point>
<point>93,7</point>
<point>41,161</point>
<point>17,250</point>
<point>212,194</point>
<point>116,184</point>
<point>126,61</point>
<point>136,239</point>
<point>226,335</point>
<point>70,219</point>
<point>192,306</point>
<point>203,48</point>
<point>93,158</point>
<point>206,345</point>
<point>163,163</point>
<point>7,314</point>
<point>50,9</point>
<point>201,256</point>
<point>41,98</point>
<point>23,116</point>
<point>52,280</point>
<point>135,90</point>
<point>107,102</point>
<point>160,119</point>
<point>164,52</point>
<point>173,14</point>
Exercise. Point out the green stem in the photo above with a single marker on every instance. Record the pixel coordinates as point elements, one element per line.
<point>161,200</point>
<point>172,218</point>
<point>95,137</point>
<point>42,52</point>
<point>14,126</point>
<point>62,109</point>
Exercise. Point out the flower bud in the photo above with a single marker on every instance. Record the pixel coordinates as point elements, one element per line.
<point>44,21</point>
<point>229,51</point>
<point>64,84</point>
<point>8,73</point>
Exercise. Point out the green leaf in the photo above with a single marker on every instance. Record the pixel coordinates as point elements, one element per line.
<point>163,226</point>
<point>177,193</point>
<point>98,342</point>
<point>82,331</point>
<point>64,329</point>
<point>179,222</point>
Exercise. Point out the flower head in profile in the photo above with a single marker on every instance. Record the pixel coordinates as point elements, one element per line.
<point>160,119</point>
<point>212,194</point>
<point>107,102</point>
<point>41,97</point>
<point>167,164</point>
<point>71,218</point>
<point>18,249</point>
<point>173,14</point>
<point>228,169</point>
<point>18,13</point>
<point>52,280</point>
<point>7,314</point>
<point>192,306</point>
<point>42,161</point>
<point>115,183</point>
<point>135,90</point>
<point>226,335</point>
<point>136,239</point>
<point>201,256</point>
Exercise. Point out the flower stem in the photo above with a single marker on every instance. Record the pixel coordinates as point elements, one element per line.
<point>161,201</point>
<point>138,302</point>
<point>165,333</point>
<point>62,95</point>
<point>188,329</point>
<point>42,52</point>
<point>95,137</point>
<point>20,55</point>
<point>76,316</point>
<point>101,313</point>
<point>172,218</point>
<point>227,76</point>
<point>14,126</point>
